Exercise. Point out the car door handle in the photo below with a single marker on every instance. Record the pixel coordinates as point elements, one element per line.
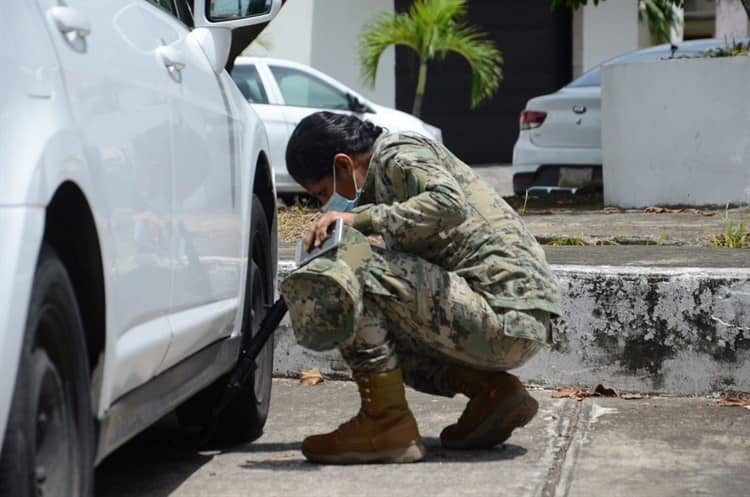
<point>70,22</point>
<point>171,58</point>
<point>579,109</point>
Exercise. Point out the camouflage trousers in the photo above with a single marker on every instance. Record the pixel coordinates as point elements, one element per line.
<point>422,318</point>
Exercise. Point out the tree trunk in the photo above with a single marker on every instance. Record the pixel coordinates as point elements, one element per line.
<point>421,84</point>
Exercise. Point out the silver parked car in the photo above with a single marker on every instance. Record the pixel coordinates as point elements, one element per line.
<point>559,142</point>
<point>283,92</point>
<point>137,232</point>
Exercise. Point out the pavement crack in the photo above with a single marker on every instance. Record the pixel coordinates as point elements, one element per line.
<point>558,476</point>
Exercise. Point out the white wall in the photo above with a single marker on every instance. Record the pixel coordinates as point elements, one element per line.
<point>607,30</point>
<point>325,34</point>
<point>289,34</point>
<point>731,19</point>
<point>676,132</point>
<point>337,26</point>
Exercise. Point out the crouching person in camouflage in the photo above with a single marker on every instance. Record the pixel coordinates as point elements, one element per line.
<point>459,295</point>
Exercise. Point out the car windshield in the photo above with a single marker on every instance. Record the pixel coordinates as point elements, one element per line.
<point>689,49</point>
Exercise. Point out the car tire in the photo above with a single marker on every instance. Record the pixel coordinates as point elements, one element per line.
<point>49,439</point>
<point>242,421</point>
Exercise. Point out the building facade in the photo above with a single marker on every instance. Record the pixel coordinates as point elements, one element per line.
<point>543,50</point>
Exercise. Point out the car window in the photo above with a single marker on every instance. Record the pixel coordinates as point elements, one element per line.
<point>305,90</point>
<point>248,81</point>
<point>593,77</point>
<point>167,5</point>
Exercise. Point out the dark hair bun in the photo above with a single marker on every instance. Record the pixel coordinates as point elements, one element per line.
<point>370,130</point>
<point>322,135</point>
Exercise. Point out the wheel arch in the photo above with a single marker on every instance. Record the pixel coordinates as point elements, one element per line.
<point>263,187</point>
<point>70,229</point>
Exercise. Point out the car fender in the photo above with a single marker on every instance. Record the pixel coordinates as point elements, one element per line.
<point>41,152</point>
<point>253,145</point>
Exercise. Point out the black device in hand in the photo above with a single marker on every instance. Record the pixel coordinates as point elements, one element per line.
<point>335,234</point>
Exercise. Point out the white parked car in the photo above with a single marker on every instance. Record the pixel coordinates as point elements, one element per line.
<point>284,92</point>
<point>559,143</point>
<point>138,228</point>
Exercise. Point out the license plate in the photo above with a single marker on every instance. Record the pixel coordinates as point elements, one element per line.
<point>575,177</point>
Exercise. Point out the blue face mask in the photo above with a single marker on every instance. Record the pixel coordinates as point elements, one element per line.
<point>338,202</point>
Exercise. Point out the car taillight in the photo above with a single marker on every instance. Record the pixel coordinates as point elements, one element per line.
<point>531,119</point>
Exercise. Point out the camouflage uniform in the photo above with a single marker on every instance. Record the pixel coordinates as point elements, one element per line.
<point>460,278</point>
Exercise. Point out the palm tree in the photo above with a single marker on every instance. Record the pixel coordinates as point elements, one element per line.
<point>432,28</point>
<point>660,16</point>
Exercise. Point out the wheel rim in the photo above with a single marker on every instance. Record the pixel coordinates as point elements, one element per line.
<point>54,467</point>
<point>261,382</point>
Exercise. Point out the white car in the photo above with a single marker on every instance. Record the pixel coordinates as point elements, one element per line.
<point>137,228</point>
<point>284,92</point>
<point>559,143</point>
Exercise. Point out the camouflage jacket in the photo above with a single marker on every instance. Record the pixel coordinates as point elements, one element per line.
<point>424,201</point>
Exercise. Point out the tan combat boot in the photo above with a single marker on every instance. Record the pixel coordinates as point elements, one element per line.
<point>384,430</point>
<point>498,404</point>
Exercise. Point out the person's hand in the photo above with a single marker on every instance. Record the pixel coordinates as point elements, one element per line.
<point>318,231</point>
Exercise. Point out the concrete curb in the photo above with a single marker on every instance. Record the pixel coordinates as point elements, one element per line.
<point>670,330</point>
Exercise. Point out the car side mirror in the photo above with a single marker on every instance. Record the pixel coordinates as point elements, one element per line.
<point>215,19</point>
<point>232,14</point>
<point>356,105</point>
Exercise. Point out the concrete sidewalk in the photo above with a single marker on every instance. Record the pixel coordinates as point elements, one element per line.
<point>612,226</point>
<point>579,218</point>
<point>652,447</point>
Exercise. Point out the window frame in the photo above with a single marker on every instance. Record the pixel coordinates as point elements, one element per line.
<point>261,83</point>
<point>312,77</point>
<point>174,12</point>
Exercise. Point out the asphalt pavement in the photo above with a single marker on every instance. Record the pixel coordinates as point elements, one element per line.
<point>652,446</point>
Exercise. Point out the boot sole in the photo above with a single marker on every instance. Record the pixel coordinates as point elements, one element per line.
<point>413,453</point>
<point>498,426</point>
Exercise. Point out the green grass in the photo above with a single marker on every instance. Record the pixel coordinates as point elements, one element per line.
<point>525,203</point>
<point>568,241</point>
<point>734,236</point>
<point>610,241</point>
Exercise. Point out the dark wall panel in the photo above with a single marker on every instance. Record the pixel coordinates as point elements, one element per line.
<point>536,45</point>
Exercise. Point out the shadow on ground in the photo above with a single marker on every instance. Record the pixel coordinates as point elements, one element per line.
<point>160,460</point>
<point>435,454</point>
<point>154,463</point>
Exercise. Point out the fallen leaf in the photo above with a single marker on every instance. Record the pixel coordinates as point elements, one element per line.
<point>571,393</point>
<point>599,390</point>
<point>665,210</point>
<point>311,377</point>
<point>631,396</point>
<point>735,400</point>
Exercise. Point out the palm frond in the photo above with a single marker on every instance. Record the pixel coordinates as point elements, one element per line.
<point>386,30</point>
<point>433,16</point>
<point>481,54</point>
<point>660,16</point>
<point>432,28</point>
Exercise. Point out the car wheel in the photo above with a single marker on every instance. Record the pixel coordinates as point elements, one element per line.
<point>49,440</point>
<point>243,419</point>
